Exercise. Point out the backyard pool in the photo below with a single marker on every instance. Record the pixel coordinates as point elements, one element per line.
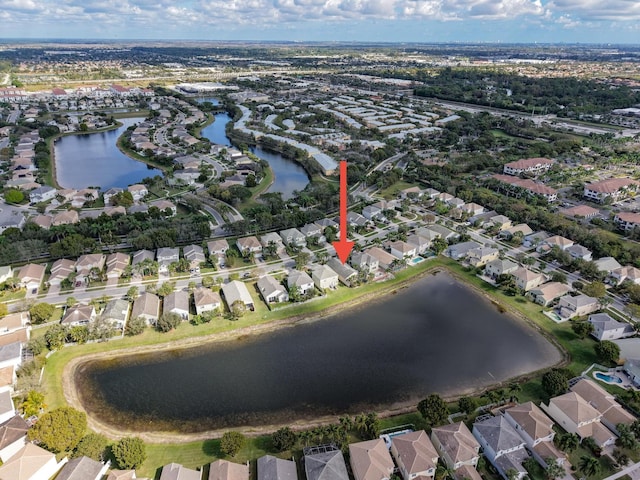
<point>416,260</point>
<point>607,378</point>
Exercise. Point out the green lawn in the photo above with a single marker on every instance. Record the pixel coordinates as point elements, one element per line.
<point>392,191</point>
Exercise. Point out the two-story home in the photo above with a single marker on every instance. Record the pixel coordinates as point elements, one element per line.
<point>86,264</point>
<point>116,264</point>
<point>385,259</point>
<point>497,267</point>
<point>138,191</point>
<point>555,241</point>
<point>402,250</point>
<point>346,274</point>
<point>177,302</point>
<point>480,256</point>
<point>117,312</point>
<point>420,243</point>
<point>607,328</point>
<point>578,252</point>
<point>311,230</point>
<point>271,290</point>
<point>42,194</point>
<point>364,262</point>
<point>624,274</point>
<point>146,306</point>
<point>458,448</point>
<point>194,254</point>
<point>274,468</point>
<point>547,293</point>
<point>165,256</point>
<point>60,270</point>
<point>536,429</point>
<point>206,300</point>
<point>576,415</point>
<point>249,245</point>
<point>219,248</point>
<point>293,237</point>
<point>301,280</point>
<point>370,460</point>
<point>324,277</point>
<point>415,455</point>
<point>575,306</point>
<point>605,403</point>
<point>502,445</point>
<point>460,251</point>
<point>31,276</point>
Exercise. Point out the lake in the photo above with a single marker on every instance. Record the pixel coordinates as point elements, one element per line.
<point>94,160</point>
<point>289,175</point>
<point>435,336</point>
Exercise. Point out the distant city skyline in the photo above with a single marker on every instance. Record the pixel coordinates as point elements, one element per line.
<point>506,21</point>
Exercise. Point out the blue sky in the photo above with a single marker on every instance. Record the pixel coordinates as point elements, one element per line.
<point>588,21</point>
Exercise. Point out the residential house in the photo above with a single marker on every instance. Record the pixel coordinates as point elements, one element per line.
<point>614,188</point>
<point>110,193</point>
<point>248,245</point>
<point>325,464</point>
<point>31,276</point>
<point>10,352</point>
<point>8,378</point>
<point>141,256</point>
<point>274,468</point>
<point>324,277</point>
<point>569,307</point>
<point>311,230</point>
<point>346,274</point>
<point>445,197</point>
<point>536,429</point>
<point>444,232</point>
<point>372,212</point>
<point>460,251</point>
<point>548,292</point>
<point>165,256</point>
<point>206,300</point>
<point>472,209</point>
<point>301,280</point>
<point>497,267</point>
<point>117,312</point>
<point>31,463</point>
<point>60,270</point>
<point>175,471</point>
<point>533,166</point>
<point>529,186</point>
<point>7,409</point>
<point>431,193</point>
<point>43,221</point>
<point>402,250</point>
<point>480,256</point>
<point>612,412</point>
<point>411,192</point>
<point>177,302</point>
<point>385,259</point>
<point>607,328</point>
<point>42,194</point>
<point>625,274</point>
<point>527,279</point>
<point>579,252</point>
<point>165,206</point>
<point>271,290</point>
<point>420,243</point>
<point>575,415</point>
<point>356,220</point>
<point>13,322</point>
<point>13,437</point>
<point>632,368</point>
<point>607,264</point>
<point>500,221</point>
<point>194,254</point>
<point>87,263</point>
<point>535,239</point>
<point>116,264</point>
<point>415,455</point>
<point>146,306</point>
<point>555,241</point>
<point>236,291</point>
<point>426,234</point>
<point>364,262</point>
<point>458,448</point>
<point>522,229</point>
<point>502,445</point>
<point>627,220</point>
<point>293,237</point>
<point>82,468</point>
<point>79,315</point>
<point>271,239</point>
<point>225,470</point>
<point>218,247</point>
<point>138,191</point>
<point>123,475</point>
<point>326,223</point>
<point>83,196</point>
<point>370,460</point>
<point>581,211</point>
<point>67,217</point>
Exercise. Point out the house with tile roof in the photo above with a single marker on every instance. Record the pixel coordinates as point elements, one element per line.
<point>502,445</point>
<point>325,464</point>
<point>146,306</point>
<point>370,460</point>
<point>612,412</point>
<point>458,448</point>
<point>236,291</point>
<point>274,468</point>
<point>31,275</point>
<point>499,266</point>
<point>175,471</point>
<point>536,428</point>
<point>116,264</point>
<point>576,415</point>
<point>117,312</point>
<point>31,463</point>
<point>547,293</point>
<point>82,468</point>
<point>576,306</point>
<point>624,274</point>
<point>79,315</point>
<point>248,245</point>
<point>177,302</point>
<point>301,280</point>
<point>607,328</point>
<point>324,277</point>
<point>225,470</point>
<point>13,437</point>
<point>271,290</point>
<point>206,300</point>
<point>415,455</point>
<point>60,270</point>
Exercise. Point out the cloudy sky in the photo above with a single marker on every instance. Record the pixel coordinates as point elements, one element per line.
<point>592,21</point>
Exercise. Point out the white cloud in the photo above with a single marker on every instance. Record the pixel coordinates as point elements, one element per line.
<point>623,10</point>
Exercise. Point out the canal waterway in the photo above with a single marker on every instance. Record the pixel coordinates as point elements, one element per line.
<point>289,175</point>
<point>94,159</point>
<point>435,336</point>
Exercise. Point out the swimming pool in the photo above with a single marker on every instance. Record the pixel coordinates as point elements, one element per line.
<point>416,260</point>
<point>607,378</point>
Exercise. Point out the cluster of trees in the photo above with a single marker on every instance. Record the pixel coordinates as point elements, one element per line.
<point>57,335</point>
<point>64,431</point>
<point>565,96</point>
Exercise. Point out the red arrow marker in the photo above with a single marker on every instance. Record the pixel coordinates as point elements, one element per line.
<point>344,246</point>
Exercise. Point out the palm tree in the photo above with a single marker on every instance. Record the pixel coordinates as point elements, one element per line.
<point>305,437</point>
<point>360,422</point>
<point>514,388</point>
<point>568,442</point>
<point>626,437</point>
<point>620,457</point>
<point>590,466</point>
<point>554,469</point>
<point>346,422</point>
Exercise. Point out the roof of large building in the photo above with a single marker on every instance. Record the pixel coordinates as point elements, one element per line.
<point>370,460</point>
<point>525,163</point>
<point>575,407</point>
<point>610,185</point>
<point>532,420</point>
